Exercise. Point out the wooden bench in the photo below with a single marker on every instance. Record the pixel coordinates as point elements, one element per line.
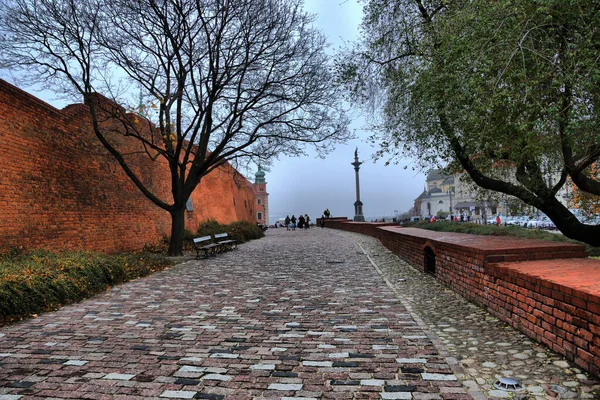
<point>205,244</point>
<point>222,240</point>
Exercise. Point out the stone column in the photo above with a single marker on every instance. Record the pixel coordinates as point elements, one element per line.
<point>358,212</point>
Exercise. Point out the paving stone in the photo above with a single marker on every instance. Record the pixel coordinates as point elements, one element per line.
<point>178,394</point>
<point>274,320</point>
<point>285,386</point>
<point>396,396</point>
<point>372,382</point>
<point>216,377</point>
<point>118,377</point>
<point>323,364</point>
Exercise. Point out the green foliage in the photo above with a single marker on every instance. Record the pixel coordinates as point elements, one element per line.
<point>441,214</point>
<point>507,91</point>
<point>493,230</point>
<point>163,245</point>
<point>38,281</point>
<point>242,231</point>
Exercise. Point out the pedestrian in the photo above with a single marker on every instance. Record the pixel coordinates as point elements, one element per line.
<point>287,222</point>
<point>306,221</point>
<point>498,220</point>
<point>293,222</point>
<point>301,221</point>
<point>322,221</point>
<point>432,219</point>
<point>462,217</point>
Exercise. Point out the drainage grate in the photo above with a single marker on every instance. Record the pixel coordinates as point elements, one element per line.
<point>508,384</point>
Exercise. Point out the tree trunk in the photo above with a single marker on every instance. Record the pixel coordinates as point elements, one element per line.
<point>177,230</point>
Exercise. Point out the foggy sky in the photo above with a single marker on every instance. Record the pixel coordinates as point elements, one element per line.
<point>309,184</point>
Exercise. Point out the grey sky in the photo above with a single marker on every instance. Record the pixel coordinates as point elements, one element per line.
<point>309,184</point>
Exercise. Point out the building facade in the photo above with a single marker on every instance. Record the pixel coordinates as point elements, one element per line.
<point>452,195</point>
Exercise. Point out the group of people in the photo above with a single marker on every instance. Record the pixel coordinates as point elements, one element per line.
<point>303,222</point>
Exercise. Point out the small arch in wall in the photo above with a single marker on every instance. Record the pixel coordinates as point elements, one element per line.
<point>429,260</point>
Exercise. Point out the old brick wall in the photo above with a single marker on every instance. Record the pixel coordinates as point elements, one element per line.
<point>60,189</point>
<point>548,290</point>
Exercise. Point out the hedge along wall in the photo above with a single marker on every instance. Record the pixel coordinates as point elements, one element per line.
<point>548,290</point>
<point>60,189</point>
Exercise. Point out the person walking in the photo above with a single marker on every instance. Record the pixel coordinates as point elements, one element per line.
<point>287,222</point>
<point>322,221</point>
<point>498,220</point>
<point>293,224</point>
<point>306,221</point>
<point>301,221</point>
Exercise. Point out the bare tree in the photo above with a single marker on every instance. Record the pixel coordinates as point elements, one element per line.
<point>219,80</point>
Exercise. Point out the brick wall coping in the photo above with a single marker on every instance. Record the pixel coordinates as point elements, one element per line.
<point>492,245</point>
<point>578,278</point>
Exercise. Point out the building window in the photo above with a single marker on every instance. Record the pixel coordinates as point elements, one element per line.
<point>259,214</point>
<point>188,205</point>
<point>245,204</point>
<point>234,201</point>
<point>440,202</point>
<point>258,200</point>
<point>262,190</point>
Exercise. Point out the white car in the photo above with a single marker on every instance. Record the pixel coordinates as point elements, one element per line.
<point>538,222</point>
<point>492,221</point>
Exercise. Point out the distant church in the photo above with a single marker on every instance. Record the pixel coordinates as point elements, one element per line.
<point>262,197</point>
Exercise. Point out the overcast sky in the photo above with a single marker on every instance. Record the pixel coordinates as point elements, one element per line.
<point>309,184</point>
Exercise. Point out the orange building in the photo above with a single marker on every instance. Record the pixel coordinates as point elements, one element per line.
<point>262,198</point>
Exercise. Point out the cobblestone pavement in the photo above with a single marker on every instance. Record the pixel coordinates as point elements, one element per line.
<point>302,314</point>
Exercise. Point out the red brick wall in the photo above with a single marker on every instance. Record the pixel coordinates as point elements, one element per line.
<point>60,189</point>
<point>358,227</point>
<point>548,290</point>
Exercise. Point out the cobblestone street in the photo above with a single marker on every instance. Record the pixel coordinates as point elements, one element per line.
<point>314,314</point>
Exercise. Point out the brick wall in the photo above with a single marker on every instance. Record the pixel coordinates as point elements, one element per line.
<point>60,189</point>
<point>548,290</point>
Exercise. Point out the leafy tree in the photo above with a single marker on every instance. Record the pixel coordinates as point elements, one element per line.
<point>220,80</point>
<point>507,91</point>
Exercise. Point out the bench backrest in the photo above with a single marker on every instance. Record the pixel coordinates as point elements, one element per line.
<point>220,236</point>
<point>202,239</point>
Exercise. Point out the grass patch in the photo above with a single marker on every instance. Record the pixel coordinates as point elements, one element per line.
<point>39,281</point>
<point>493,230</point>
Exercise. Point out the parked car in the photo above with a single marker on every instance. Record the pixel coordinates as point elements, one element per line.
<point>492,221</point>
<point>521,221</point>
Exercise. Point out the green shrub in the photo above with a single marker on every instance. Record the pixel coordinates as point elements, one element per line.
<point>210,227</point>
<point>242,231</point>
<point>40,281</point>
<point>493,230</point>
<point>163,245</point>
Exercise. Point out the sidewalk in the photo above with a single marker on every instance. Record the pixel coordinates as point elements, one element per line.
<point>303,314</point>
